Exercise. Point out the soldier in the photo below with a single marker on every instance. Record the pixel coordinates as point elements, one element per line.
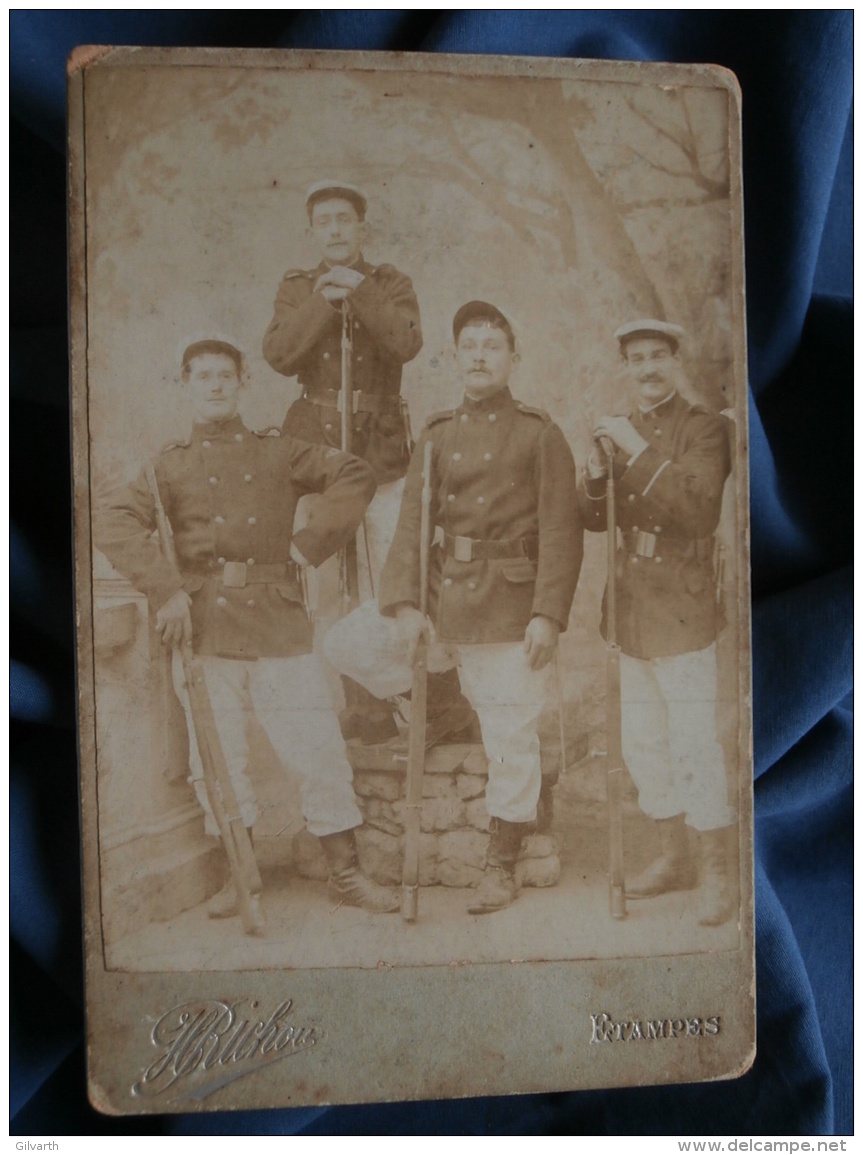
<point>230,496</point>
<point>504,565</point>
<point>304,339</point>
<point>671,460</point>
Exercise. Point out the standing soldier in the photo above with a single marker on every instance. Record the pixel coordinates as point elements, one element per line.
<point>671,460</point>
<point>504,565</point>
<point>230,496</point>
<point>305,339</point>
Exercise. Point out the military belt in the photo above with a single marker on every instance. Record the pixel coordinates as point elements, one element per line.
<point>473,549</point>
<point>237,574</point>
<point>644,544</point>
<point>361,402</point>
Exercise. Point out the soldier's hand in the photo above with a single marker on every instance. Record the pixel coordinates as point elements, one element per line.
<point>342,277</point>
<point>622,433</point>
<point>412,625</point>
<point>173,620</point>
<point>334,293</point>
<point>597,463</point>
<point>337,283</point>
<point>540,641</point>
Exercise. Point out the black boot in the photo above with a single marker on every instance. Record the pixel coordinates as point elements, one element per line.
<point>347,883</point>
<point>716,899</point>
<point>450,718</point>
<point>545,804</point>
<point>370,719</point>
<point>498,887</point>
<point>674,869</point>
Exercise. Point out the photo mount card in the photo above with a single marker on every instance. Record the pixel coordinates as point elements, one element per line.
<point>294,893</point>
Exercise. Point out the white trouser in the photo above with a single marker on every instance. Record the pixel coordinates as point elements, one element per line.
<point>379,528</point>
<point>293,703</point>
<point>670,742</point>
<point>374,538</point>
<point>507,695</point>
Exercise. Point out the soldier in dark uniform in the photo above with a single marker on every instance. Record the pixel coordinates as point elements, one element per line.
<point>230,495</point>
<point>504,565</point>
<point>304,339</point>
<point>671,460</point>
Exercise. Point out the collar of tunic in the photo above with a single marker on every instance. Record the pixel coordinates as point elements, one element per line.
<point>218,430</point>
<point>484,405</point>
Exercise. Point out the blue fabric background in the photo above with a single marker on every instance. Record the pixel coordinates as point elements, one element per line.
<point>795,69</point>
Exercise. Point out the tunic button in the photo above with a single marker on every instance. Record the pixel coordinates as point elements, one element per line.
<point>635,561</point>
<point>464,417</point>
<point>328,426</point>
<point>658,558</point>
<point>221,601</point>
<point>219,520</point>
<point>326,356</point>
<point>492,417</point>
<point>238,437</point>
<point>205,444</point>
<point>213,480</point>
<point>220,560</point>
<point>471,585</point>
<point>658,432</point>
<point>480,501</point>
<point>450,497</point>
<point>447,581</point>
<point>635,529</point>
<point>486,457</point>
<point>248,477</point>
<point>250,561</point>
<point>252,520</point>
<point>250,603</point>
<point>456,457</point>
<point>360,357</point>
<point>631,497</point>
<point>657,529</point>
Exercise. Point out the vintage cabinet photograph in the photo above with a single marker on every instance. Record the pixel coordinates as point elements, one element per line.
<point>411,525</point>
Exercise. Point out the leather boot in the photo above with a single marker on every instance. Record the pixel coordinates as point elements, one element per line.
<point>716,898</point>
<point>225,903</point>
<point>674,869</point>
<point>370,719</point>
<point>545,805</point>
<point>498,887</point>
<point>347,883</point>
<point>450,718</point>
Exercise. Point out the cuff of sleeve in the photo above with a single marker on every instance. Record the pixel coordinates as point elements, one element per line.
<point>163,591</point>
<point>309,545</point>
<point>541,609</point>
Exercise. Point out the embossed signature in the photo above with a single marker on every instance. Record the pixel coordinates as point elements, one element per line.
<point>206,1044</point>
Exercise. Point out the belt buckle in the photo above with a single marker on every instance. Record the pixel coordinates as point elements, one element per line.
<point>234,574</point>
<point>645,543</point>
<point>462,548</point>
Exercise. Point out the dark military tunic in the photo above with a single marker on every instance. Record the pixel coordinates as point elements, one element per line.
<point>668,504</point>
<point>230,496</point>
<point>304,339</point>
<point>507,546</point>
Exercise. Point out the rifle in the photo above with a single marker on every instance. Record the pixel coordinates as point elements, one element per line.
<point>349,581</point>
<point>217,781</point>
<point>614,757</point>
<point>417,733</point>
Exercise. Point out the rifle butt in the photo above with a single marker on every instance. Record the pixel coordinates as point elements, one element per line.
<point>616,878</point>
<point>614,786</point>
<point>236,844</point>
<point>414,787</point>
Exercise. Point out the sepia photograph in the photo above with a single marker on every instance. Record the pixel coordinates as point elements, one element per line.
<point>410,447</point>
